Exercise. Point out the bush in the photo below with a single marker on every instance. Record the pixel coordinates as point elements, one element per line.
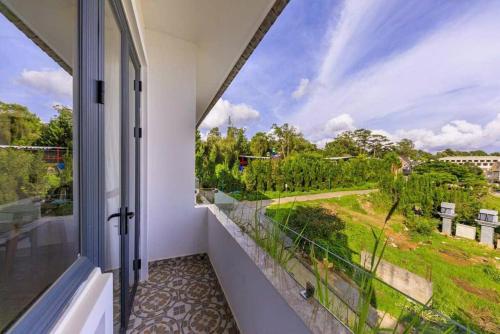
<point>315,222</point>
<point>420,225</point>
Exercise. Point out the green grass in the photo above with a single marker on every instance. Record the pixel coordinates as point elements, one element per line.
<point>465,275</point>
<point>257,196</point>
<point>491,202</point>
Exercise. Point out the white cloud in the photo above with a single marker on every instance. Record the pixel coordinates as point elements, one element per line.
<point>322,142</point>
<point>56,83</point>
<point>241,115</point>
<point>452,73</point>
<point>332,128</point>
<point>301,89</point>
<point>458,134</point>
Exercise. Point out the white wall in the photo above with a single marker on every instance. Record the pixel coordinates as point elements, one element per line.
<point>175,226</point>
<point>256,305</point>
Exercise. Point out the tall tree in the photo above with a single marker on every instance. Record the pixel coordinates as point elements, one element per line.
<point>259,144</point>
<point>286,137</point>
<point>406,148</point>
<point>342,145</point>
<point>59,130</point>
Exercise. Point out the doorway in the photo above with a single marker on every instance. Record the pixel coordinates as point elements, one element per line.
<point>122,134</point>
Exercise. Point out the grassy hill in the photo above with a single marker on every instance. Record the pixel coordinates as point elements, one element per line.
<point>465,275</point>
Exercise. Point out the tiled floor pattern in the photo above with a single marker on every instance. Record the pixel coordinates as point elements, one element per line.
<point>182,295</point>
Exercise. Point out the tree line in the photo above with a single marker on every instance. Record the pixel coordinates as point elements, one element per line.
<point>299,165</point>
<point>24,173</point>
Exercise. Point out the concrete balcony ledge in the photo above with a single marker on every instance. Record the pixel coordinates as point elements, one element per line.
<point>263,297</point>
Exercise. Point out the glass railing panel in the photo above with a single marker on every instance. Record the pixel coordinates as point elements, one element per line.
<point>351,292</point>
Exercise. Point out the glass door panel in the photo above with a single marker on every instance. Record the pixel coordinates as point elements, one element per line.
<point>121,161</point>
<point>112,152</point>
<point>132,171</point>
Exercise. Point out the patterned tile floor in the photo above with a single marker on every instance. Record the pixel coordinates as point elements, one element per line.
<point>182,295</point>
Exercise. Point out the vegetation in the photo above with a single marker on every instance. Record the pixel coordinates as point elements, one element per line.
<point>465,275</point>
<point>25,173</point>
<point>295,166</point>
<point>272,194</point>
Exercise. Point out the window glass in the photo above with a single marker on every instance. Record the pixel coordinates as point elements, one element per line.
<point>39,235</point>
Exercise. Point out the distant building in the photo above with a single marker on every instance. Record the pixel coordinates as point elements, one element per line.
<point>490,164</point>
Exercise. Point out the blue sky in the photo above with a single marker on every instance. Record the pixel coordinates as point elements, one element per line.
<point>427,70</point>
<point>28,76</point>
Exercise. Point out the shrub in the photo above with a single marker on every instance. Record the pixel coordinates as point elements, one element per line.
<point>420,225</point>
<point>315,222</point>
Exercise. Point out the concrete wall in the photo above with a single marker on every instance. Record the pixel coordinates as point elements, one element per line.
<point>255,303</point>
<point>413,285</point>
<point>175,226</point>
<point>465,231</point>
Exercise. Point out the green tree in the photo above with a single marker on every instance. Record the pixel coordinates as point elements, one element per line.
<point>59,131</point>
<point>259,144</point>
<point>285,136</point>
<point>406,148</point>
<point>18,126</point>
<point>342,145</point>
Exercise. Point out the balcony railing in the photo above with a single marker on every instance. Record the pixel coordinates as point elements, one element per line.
<point>352,294</point>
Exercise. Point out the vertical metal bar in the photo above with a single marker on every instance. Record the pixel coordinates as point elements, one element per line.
<point>90,168</point>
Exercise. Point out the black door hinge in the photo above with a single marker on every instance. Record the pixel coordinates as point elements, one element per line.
<point>138,85</point>
<point>138,132</point>
<point>100,91</point>
<point>137,264</point>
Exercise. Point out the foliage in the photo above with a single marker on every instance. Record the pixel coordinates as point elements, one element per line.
<point>270,194</point>
<point>25,173</point>
<point>315,222</point>
<point>22,174</point>
<point>18,126</point>
<point>59,131</point>
<point>289,140</point>
<point>260,144</point>
<point>434,182</point>
<point>357,142</point>
<point>447,259</point>
<point>309,172</point>
<point>421,225</point>
<point>221,153</point>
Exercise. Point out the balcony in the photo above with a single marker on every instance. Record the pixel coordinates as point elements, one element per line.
<point>235,286</point>
<point>181,295</point>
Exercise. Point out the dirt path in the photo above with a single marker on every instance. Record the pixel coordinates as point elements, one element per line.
<point>312,197</point>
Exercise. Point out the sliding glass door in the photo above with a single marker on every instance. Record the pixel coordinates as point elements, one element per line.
<point>121,137</point>
<point>69,157</point>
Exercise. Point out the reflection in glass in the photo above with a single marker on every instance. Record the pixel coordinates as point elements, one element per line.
<point>39,237</point>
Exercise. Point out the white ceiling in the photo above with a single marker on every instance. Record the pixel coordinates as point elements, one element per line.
<point>221,29</point>
<point>53,21</point>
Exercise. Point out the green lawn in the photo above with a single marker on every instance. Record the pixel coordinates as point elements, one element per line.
<point>257,196</point>
<point>465,275</point>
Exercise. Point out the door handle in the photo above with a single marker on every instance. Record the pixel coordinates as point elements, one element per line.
<point>114,215</point>
<point>123,211</point>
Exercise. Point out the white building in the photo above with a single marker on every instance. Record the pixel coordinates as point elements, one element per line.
<point>483,162</point>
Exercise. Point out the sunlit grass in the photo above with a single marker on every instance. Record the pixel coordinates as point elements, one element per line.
<point>465,275</point>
